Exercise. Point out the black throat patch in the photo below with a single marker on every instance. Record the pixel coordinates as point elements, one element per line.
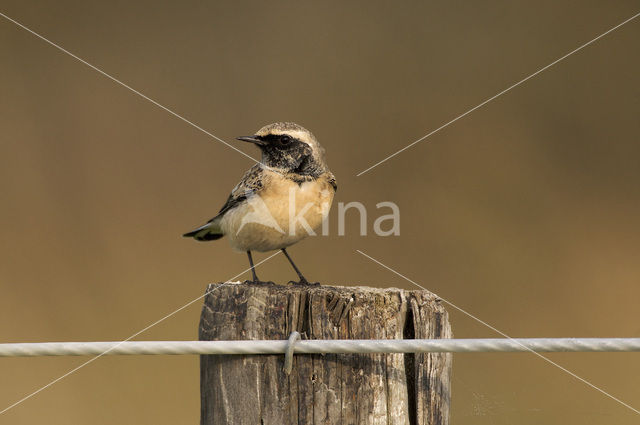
<point>288,153</point>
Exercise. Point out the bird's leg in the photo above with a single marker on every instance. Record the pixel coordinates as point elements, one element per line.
<point>253,269</point>
<point>303,281</point>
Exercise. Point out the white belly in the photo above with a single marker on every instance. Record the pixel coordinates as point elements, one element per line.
<point>278,217</point>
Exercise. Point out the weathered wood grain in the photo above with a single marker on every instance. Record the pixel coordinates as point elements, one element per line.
<point>399,389</point>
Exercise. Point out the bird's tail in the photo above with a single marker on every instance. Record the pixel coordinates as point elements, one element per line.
<point>209,232</point>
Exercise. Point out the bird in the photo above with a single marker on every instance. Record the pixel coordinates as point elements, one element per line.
<point>280,200</point>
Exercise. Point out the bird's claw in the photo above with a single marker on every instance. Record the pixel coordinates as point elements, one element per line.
<point>259,282</point>
<point>304,282</point>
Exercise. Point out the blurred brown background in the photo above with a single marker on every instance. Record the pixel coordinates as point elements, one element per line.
<point>525,213</point>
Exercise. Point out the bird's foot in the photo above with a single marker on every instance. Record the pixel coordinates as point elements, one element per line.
<point>304,282</point>
<point>259,282</point>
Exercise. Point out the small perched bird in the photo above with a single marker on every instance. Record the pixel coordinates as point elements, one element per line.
<point>280,200</point>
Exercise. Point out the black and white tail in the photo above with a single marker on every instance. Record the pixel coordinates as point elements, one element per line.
<point>209,232</point>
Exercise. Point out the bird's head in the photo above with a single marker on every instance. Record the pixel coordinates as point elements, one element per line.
<point>289,147</point>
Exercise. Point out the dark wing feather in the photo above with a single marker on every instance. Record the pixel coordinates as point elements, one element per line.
<point>332,182</point>
<point>251,182</point>
<point>232,202</point>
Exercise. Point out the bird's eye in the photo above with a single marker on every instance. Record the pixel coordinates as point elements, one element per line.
<point>285,140</point>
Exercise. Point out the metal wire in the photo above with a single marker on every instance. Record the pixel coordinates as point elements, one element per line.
<point>288,355</point>
<point>321,346</point>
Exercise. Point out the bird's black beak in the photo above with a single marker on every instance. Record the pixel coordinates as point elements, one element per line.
<point>252,139</point>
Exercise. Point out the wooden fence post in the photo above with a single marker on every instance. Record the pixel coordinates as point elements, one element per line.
<point>346,389</point>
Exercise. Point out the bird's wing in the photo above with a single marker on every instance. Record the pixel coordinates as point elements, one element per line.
<point>251,182</point>
<point>332,181</point>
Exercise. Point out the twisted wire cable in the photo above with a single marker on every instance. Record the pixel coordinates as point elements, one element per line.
<point>320,346</point>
